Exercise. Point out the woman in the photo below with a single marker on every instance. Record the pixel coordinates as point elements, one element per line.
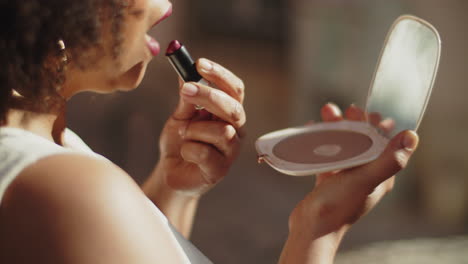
<point>62,203</point>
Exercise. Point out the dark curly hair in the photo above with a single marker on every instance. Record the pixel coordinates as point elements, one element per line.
<point>29,50</point>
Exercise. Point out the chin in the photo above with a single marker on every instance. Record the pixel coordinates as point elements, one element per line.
<point>132,78</point>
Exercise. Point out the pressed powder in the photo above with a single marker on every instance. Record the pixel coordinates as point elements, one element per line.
<point>322,146</point>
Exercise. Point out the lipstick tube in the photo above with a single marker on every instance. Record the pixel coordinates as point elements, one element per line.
<point>184,65</point>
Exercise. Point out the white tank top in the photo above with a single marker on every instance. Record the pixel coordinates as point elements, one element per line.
<point>20,148</point>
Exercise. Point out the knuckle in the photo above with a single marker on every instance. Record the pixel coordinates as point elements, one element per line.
<point>203,154</point>
<point>389,185</point>
<point>400,160</point>
<point>240,87</point>
<point>217,173</point>
<point>237,112</point>
<point>185,151</point>
<point>227,133</point>
<point>220,71</point>
<point>325,209</point>
<point>224,73</point>
<point>368,182</point>
<point>185,129</point>
<point>214,95</point>
<point>212,180</point>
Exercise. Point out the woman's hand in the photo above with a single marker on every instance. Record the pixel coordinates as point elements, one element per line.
<point>340,198</point>
<point>197,147</point>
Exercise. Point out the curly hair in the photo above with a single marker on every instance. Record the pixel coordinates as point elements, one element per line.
<point>29,51</point>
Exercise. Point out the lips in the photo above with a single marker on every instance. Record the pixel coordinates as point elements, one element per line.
<point>153,45</point>
<point>166,15</point>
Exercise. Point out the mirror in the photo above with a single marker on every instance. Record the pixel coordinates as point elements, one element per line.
<point>404,77</point>
<point>396,101</point>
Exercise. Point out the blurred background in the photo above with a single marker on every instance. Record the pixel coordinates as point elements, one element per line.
<point>294,56</point>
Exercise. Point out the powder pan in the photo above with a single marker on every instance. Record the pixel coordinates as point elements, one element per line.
<point>267,143</point>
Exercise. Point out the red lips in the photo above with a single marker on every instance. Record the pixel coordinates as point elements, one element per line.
<point>168,14</point>
<point>153,46</point>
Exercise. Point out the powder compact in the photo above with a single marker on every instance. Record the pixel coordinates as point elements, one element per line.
<point>398,94</point>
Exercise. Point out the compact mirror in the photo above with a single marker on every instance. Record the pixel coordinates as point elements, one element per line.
<point>404,76</point>
<point>397,99</point>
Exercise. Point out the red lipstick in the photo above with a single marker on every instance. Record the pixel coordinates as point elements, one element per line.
<point>173,47</point>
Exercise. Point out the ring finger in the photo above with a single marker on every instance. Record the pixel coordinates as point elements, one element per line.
<point>221,135</point>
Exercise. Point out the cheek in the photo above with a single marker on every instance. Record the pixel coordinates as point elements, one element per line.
<point>130,51</point>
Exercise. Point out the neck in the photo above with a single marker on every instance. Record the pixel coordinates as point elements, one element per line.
<point>47,125</point>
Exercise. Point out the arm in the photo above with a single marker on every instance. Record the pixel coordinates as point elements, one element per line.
<point>75,209</point>
<point>339,199</point>
<point>178,207</point>
<point>301,247</point>
<point>197,148</point>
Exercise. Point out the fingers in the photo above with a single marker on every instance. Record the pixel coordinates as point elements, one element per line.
<point>184,110</point>
<point>355,113</point>
<point>387,125</point>
<point>222,78</point>
<point>214,101</point>
<point>331,113</point>
<point>221,135</point>
<point>375,118</point>
<point>210,161</point>
<point>393,159</point>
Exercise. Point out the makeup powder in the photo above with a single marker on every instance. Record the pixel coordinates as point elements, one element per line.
<point>322,146</point>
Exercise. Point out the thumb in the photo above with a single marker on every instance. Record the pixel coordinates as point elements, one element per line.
<point>393,159</point>
<point>184,110</point>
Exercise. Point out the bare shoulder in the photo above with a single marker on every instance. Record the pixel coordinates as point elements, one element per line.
<point>77,209</point>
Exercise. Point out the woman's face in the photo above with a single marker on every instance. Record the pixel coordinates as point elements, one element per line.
<point>137,49</point>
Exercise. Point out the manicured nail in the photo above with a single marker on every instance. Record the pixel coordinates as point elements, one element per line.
<point>410,140</point>
<point>336,110</point>
<point>205,65</point>
<point>189,89</point>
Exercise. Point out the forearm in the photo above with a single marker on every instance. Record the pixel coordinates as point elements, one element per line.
<point>179,208</point>
<point>306,245</point>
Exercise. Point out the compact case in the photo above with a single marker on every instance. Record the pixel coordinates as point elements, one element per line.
<point>398,94</point>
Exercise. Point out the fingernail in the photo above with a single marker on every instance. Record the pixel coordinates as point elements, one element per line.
<point>336,110</point>
<point>410,140</point>
<point>205,65</point>
<point>189,89</point>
